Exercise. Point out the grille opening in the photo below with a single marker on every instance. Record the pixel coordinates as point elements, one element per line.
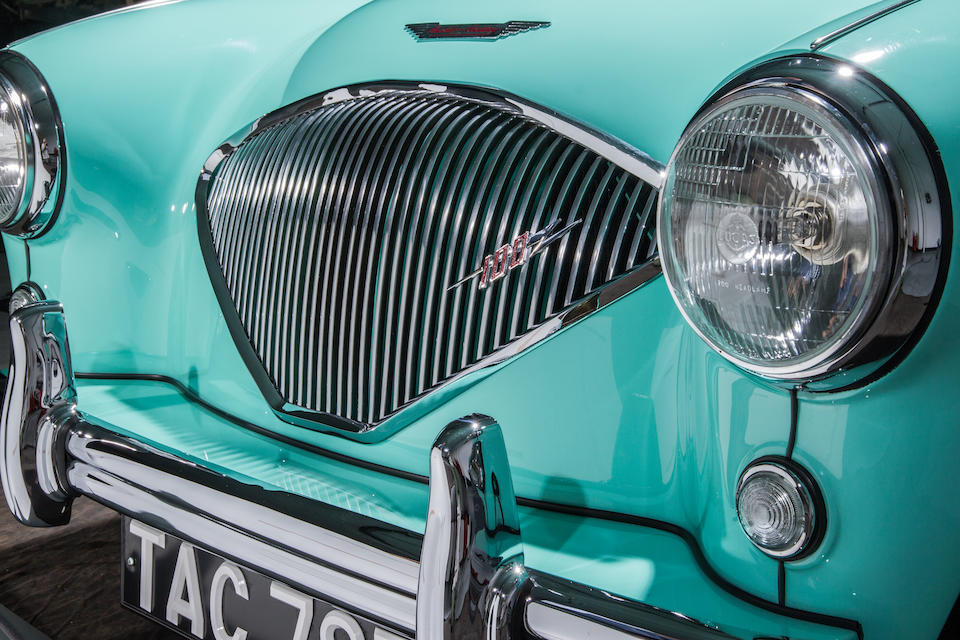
<point>338,232</point>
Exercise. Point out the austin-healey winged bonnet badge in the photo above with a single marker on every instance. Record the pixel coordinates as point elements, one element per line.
<point>484,31</point>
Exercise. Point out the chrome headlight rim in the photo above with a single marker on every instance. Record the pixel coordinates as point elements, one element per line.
<point>893,142</point>
<point>42,129</point>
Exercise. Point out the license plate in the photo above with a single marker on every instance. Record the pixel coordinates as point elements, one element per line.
<point>203,595</point>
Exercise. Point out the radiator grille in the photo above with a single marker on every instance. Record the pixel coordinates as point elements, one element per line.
<point>339,231</point>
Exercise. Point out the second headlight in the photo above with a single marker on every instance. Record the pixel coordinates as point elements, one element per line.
<point>31,149</point>
<point>13,152</point>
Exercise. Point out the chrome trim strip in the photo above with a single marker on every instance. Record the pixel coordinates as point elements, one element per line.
<point>836,34</point>
<point>253,519</point>
<point>565,611</point>
<point>630,158</point>
<point>549,623</point>
<point>137,6</point>
<point>266,555</point>
<point>604,296</point>
<point>619,153</point>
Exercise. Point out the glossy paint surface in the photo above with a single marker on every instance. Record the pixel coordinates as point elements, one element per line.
<point>16,259</point>
<point>626,411</point>
<point>644,564</point>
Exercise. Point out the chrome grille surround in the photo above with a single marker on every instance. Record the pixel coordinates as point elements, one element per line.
<point>334,229</point>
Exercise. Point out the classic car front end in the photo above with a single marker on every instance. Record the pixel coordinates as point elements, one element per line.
<point>553,320</point>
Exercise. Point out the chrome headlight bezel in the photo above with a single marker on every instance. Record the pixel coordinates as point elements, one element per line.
<point>912,203</point>
<point>39,119</point>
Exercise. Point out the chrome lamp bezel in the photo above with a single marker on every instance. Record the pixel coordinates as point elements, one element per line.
<point>914,201</point>
<point>39,119</point>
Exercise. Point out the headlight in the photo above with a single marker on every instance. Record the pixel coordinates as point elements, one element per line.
<point>13,153</point>
<point>31,149</point>
<point>787,227</point>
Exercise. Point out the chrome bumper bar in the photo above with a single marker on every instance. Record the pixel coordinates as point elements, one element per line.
<point>463,579</point>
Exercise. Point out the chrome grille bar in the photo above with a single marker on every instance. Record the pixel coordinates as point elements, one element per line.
<point>336,229</point>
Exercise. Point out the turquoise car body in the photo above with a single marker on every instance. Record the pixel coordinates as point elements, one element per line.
<point>625,431</point>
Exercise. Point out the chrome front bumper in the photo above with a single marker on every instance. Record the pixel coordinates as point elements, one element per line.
<point>464,578</point>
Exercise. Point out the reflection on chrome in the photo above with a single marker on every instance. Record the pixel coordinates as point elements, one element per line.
<point>31,149</point>
<point>472,506</point>
<point>40,389</point>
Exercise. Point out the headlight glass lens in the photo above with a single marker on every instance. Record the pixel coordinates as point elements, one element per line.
<point>774,232</point>
<point>13,157</point>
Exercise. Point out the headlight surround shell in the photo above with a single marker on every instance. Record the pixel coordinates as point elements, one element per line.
<point>38,120</point>
<point>898,160</point>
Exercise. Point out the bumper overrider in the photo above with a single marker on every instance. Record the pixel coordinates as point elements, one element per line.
<point>464,578</point>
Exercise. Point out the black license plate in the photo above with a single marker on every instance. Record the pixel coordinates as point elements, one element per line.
<point>203,595</point>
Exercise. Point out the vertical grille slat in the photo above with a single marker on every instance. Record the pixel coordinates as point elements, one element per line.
<point>333,288</point>
<point>354,195</point>
<point>500,215</point>
<point>432,257</point>
<point>559,150</point>
<point>308,273</point>
<point>277,263</point>
<point>577,179</point>
<point>518,197</point>
<point>370,221</point>
<point>642,247</point>
<point>256,265</point>
<point>249,230</point>
<point>414,113</point>
<point>463,248</point>
<point>483,243</point>
<point>341,229</point>
<point>630,221</point>
<point>297,257</point>
<point>443,265</point>
<point>384,300</point>
<point>408,349</point>
<point>404,250</point>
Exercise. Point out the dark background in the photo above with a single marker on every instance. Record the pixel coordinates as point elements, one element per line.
<point>64,581</point>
